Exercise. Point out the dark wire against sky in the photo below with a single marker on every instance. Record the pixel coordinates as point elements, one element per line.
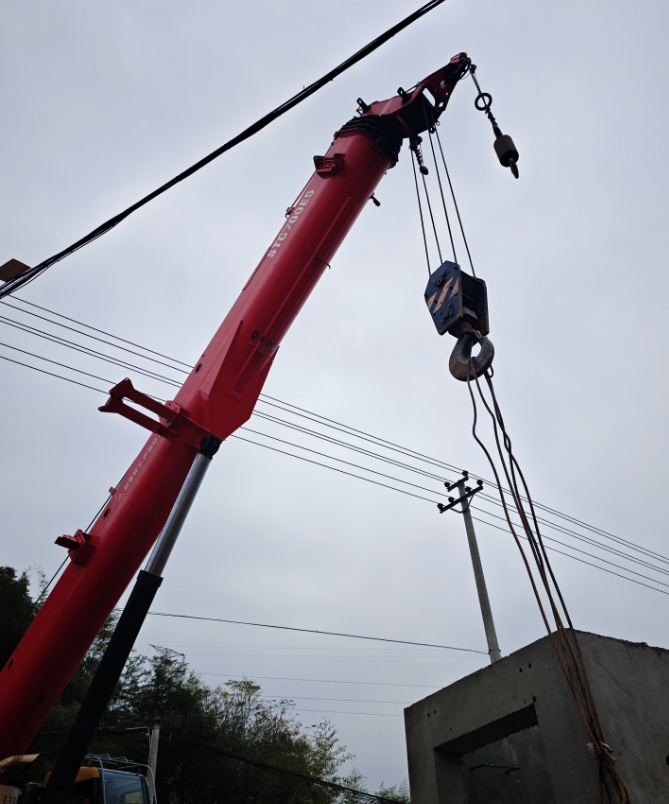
<point>32,273</point>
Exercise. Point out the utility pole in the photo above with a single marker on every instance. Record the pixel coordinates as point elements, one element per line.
<point>465,492</point>
<point>153,758</point>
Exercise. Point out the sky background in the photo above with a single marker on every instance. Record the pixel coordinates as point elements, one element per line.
<point>104,102</point>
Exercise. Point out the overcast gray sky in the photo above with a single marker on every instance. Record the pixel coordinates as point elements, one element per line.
<point>103,102</point>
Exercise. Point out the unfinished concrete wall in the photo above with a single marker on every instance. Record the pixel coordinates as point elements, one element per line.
<point>511,732</point>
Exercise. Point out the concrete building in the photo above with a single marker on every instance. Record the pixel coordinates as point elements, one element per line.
<point>512,732</point>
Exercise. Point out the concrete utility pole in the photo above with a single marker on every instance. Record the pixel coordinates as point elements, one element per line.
<point>484,600</point>
<point>153,758</point>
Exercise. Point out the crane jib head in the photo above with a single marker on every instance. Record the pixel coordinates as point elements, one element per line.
<point>418,109</point>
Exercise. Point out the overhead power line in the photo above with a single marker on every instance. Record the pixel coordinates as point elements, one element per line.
<point>646,558</point>
<point>27,276</point>
<point>314,631</point>
<point>316,418</point>
<point>175,738</point>
<point>420,497</point>
<point>188,741</point>
<point>325,681</point>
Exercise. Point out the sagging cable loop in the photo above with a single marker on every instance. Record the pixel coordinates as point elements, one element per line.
<point>564,638</point>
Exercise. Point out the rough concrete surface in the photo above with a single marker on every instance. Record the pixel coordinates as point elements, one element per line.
<point>512,732</point>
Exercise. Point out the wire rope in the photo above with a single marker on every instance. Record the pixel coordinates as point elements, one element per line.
<point>441,193</point>
<point>455,203</point>
<point>434,225</point>
<point>420,212</point>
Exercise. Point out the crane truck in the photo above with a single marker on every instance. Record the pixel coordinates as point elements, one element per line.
<point>217,397</point>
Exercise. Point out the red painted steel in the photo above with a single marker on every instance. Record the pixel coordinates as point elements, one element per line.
<point>218,397</point>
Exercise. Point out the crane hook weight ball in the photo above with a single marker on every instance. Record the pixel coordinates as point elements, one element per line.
<point>507,153</point>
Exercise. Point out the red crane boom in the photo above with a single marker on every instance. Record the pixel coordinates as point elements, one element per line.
<point>217,398</point>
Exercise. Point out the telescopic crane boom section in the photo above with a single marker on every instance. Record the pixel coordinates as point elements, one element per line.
<point>215,400</point>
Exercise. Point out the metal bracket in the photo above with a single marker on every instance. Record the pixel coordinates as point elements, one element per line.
<point>328,165</point>
<point>174,424</point>
<point>78,546</point>
<point>469,492</point>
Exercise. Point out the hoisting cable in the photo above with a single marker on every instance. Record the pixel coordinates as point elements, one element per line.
<point>443,200</point>
<point>29,274</point>
<point>564,639</point>
<point>420,212</point>
<point>417,152</point>
<point>455,204</point>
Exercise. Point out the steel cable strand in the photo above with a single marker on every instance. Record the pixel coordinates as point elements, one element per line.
<point>538,548</point>
<point>420,212</point>
<point>575,680</point>
<point>528,532</point>
<point>434,225</point>
<point>601,748</point>
<point>571,660</point>
<point>498,419</point>
<point>455,203</point>
<point>506,511</point>
<point>441,189</point>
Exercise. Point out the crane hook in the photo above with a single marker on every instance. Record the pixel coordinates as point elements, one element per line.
<point>461,363</point>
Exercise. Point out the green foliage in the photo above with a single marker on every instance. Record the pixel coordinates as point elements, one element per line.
<point>233,718</point>
<point>398,792</point>
<point>15,610</point>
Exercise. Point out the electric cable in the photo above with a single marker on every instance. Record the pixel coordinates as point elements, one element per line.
<point>326,681</point>
<point>94,337</point>
<point>440,478</point>
<point>410,494</point>
<point>575,558</point>
<point>341,712</point>
<point>188,742</point>
<point>51,374</point>
<point>578,550</point>
<point>392,488</point>
<point>335,469</point>
<point>286,407</point>
<point>341,460</point>
<point>407,467</point>
<point>341,700</point>
<point>86,350</point>
<point>27,276</point>
<point>314,631</point>
<point>347,429</point>
<point>54,362</point>
<point>95,329</point>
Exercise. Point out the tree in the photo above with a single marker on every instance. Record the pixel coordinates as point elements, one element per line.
<point>16,610</point>
<point>232,718</point>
